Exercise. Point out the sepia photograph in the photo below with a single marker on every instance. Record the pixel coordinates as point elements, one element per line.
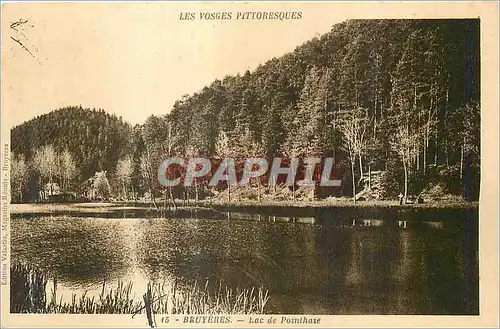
<point>245,164</point>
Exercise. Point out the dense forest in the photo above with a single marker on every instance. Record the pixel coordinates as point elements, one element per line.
<point>400,98</point>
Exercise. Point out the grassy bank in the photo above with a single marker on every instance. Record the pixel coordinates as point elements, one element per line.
<point>337,203</point>
<point>102,207</point>
<point>29,285</point>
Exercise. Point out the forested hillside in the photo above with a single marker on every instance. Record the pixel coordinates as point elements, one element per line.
<point>95,139</point>
<point>401,97</point>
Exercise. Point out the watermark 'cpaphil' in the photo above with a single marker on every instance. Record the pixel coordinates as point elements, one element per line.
<point>303,172</point>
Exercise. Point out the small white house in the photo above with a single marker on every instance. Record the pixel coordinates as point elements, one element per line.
<point>49,191</point>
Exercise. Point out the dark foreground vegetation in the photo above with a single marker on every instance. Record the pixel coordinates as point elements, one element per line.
<point>28,294</point>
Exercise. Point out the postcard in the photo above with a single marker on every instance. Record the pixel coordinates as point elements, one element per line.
<point>249,164</point>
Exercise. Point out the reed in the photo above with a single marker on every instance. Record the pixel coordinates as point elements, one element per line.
<point>204,300</point>
<point>117,300</point>
<point>28,295</point>
<point>27,289</point>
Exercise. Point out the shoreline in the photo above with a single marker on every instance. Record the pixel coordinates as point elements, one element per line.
<point>19,208</point>
<point>320,210</point>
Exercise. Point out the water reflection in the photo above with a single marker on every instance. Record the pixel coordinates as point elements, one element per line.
<point>309,266</point>
<point>403,298</point>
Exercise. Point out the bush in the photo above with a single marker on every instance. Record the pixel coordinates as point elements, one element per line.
<point>391,184</point>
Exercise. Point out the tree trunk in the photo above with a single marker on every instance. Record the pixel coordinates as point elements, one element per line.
<point>406,181</point>
<point>447,156</point>
<point>152,197</point>
<point>165,199</point>
<point>196,196</point>
<point>360,168</point>
<point>172,199</point>
<point>353,182</point>
<point>228,192</point>
<point>369,177</point>
<point>436,151</point>
<point>258,189</point>
<point>417,159</point>
<point>51,186</point>
<point>133,191</point>
<point>375,109</point>
<point>20,193</point>
<point>41,189</point>
<point>124,190</point>
<point>425,156</point>
<point>109,187</point>
<point>461,162</point>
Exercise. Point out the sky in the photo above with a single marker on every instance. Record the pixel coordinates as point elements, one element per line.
<point>136,59</point>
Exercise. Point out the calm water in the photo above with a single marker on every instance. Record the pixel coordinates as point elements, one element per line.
<point>308,267</point>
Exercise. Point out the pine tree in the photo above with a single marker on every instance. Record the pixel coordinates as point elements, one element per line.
<point>310,127</point>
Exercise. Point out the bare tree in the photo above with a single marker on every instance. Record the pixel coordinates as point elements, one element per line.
<point>192,151</point>
<point>101,184</point>
<point>18,174</point>
<point>123,173</point>
<point>67,168</point>
<point>172,140</point>
<point>470,134</point>
<point>405,144</point>
<point>223,149</point>
<point>250,148</point>
<point>148,173</point>
<point>353,127</point>
<point>162,141</point>
<point>170,145</point>
<point>45,162</point>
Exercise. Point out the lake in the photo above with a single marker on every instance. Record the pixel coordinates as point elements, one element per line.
<point>309,265</point>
